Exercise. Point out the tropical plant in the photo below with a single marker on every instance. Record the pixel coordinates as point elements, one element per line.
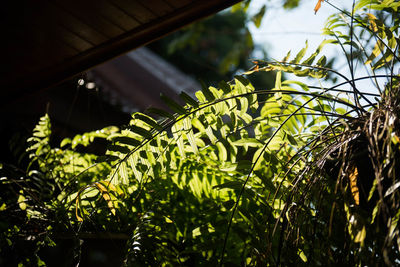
<point>291,175</point>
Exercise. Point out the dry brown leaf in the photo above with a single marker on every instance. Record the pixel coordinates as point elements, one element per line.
<point>318,6</point>
<point>353,184</point>
<point>104,192</point>
<point>79,218</point>
<point>372,22</point>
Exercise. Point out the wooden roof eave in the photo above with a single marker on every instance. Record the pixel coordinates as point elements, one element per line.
<point>113,47</point>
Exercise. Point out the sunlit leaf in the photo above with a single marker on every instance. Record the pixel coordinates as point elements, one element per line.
<point>22,201</point>
<point>179,140</point>
<point>375,52</point>
<point>302,255</point>
<point>301,54</point>
<point>257,18</point>
<point>278,86</point>
<point>123,173</point>
<point>187,125</point>
<point>360,236</point>
<point>222,152</point>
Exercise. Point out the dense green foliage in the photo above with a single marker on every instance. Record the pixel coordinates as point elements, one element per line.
<point>290,175</point>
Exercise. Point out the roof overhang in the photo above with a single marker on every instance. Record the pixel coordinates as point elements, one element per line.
<point>45,42</point>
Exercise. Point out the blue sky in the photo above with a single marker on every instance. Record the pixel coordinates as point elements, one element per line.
<point>283,30</point>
